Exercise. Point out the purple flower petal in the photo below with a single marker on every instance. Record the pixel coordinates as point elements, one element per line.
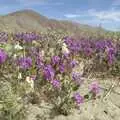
<point>3,56</point>
<point>78,98</point>
<point>25,62</point>
<point>94,87</point>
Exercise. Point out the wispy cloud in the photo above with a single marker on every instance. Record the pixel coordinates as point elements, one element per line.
<point>72,15</point>
<point>107,15</point>
<point>112,15</point>
<point>110,19</point>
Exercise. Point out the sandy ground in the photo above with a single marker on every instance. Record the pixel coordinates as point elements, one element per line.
<point>107,107</point>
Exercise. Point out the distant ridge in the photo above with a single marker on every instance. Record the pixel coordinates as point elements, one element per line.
<point>29,20</point>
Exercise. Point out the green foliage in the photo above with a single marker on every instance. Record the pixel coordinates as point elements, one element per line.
<point>11,107</point>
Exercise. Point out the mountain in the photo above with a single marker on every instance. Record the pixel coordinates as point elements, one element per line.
<point>29,20</point>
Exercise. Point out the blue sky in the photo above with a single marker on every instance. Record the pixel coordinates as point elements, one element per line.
<point>92,12</point>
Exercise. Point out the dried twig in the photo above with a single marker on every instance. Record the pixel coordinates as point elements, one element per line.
<point>110,89</point>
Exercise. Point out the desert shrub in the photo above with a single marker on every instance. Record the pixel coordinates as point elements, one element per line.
<point>11,107</point>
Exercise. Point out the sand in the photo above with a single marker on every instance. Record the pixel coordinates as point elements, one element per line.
<point>106,107</point>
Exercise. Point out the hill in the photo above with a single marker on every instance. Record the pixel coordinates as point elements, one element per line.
<point>29,20</point>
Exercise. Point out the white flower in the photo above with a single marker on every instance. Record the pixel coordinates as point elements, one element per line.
<point>18,47</point>
<point>14,56</point>
<point>64,45</point>
<point>65,49</point>
<point>19,76</point>
<point>30,81</point>
<point>42,53</point>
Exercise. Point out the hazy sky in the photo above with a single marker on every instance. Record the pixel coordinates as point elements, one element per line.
<point>92,12</point>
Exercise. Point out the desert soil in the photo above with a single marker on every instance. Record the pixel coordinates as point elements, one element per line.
<point>105,107</point>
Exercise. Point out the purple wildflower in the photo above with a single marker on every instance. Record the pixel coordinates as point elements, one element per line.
<point>109,43</point>
<point>3,56</point>
<point>66,55</point>
<point>49,72</point>
<point>56,83</point>
<point>111,55</point>
<point>100,45</point>
<point>111,51</point>
<point>39,63</point>
<point>68,40</point>
<point>62,68</point>
<point>77,78</point>
<point>88,51</point>
<point>73,63</point>
<point>78,98</point>
<point>55,60</point>
<point>27,37</point>
<point>25,62</point>
<point>94,87</point>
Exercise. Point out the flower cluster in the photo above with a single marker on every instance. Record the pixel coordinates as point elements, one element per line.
<point>94,87</point>
<point>27,37</point>
<point>78,98</point>
<point>49,72</point>
<point>77,78</point>
<point>56,83</point>
<point>3,56</point>
<point>24,62</point>
<point>55,60</point>
<point>92,47</point>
